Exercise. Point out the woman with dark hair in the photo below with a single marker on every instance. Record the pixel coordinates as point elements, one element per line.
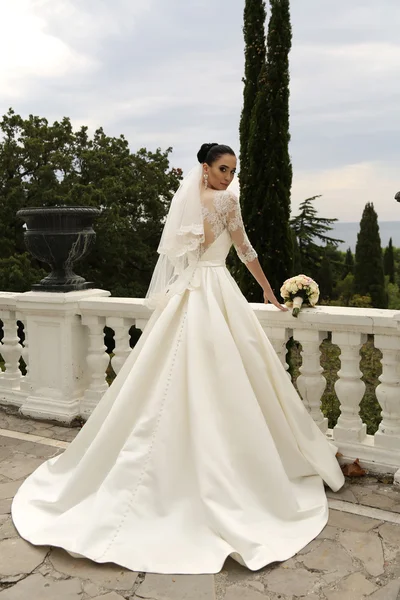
<point>201,448</point>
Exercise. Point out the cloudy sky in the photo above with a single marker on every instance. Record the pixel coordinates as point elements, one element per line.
<point>168,73</point>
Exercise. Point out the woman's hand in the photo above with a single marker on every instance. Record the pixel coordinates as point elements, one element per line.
<point>269,296</point>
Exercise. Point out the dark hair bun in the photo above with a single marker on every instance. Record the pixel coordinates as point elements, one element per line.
<point>204,150</point>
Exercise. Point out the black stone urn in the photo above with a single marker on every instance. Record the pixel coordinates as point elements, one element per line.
<point>60,236</point>
<point>397,197</point>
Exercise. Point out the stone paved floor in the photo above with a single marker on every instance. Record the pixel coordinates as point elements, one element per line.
<point>356,557</point>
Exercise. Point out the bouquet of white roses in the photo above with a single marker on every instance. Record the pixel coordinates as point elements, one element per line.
<point>298,290</point>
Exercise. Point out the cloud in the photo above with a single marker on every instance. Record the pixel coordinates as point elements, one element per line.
<point>346,190</point>
<point>170,74</point>
<point>31,52</point>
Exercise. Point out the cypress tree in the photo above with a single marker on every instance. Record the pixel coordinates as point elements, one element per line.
<point>388,262</point>
<point>368,273</point>
<point>255,55</point>
<point>279,43</point>
<point>348,263</point>
<point>325,278</point>
<point>267,167</point>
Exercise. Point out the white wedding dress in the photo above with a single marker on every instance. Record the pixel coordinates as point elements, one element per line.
<point>200,449</point>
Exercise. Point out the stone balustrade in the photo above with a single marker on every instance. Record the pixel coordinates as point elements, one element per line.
<point>65,354</point>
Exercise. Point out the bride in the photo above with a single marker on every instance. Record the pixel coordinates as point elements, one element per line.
<point>201,448</point>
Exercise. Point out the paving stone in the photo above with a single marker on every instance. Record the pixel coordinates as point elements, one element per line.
<point>67,436</point>
<point>62,431</point>
<point>109,576</point>
<point>390,491</point>
<point>329,558</point>
<point>311,546</point>
<point>11,579</point>
<point>5,452</point>
<point>14,420</point>
<point>17,556</point>
<point>291,563</point>
<point>40,424</point>
<point>19,467</point>
<point>390,532</point>
<point>46,569</point>
<point>391,591</point>
<point>180,587</point>
<point>47,433</point>
<point>291,581</point>
<point>43,588</point>
<point>367,547</point>
<point>344,494</point>
<point>110,596</point>
<point>328,533</point>
<point>236,572</point>
<point>37,450</point>
<point>5,506</point>
<point>374,499</point>
<point>392,570</point>
<point>257,585</point>
<point>21,426</point>
<point>3,423</point>
<point>389,553</point>
<point>238,592</point>
<point>8,490</point>
<point>356,586</point>
<point>8,441</point>
<point>90,588</point>
<point>344,520</point>
<point>7,530</point>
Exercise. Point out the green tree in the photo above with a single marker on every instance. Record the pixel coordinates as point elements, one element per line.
<point>388,262</point>
<point>348,263</point>
<point>325,278</point>
<point>255,56</point>
<point>47,165</point>
<point>308,229</point>
<point>296,264</point>
<point>344,290</point>
<point>267,170</point>
<point>369,279</point>
<point>17,273</point>
<point>393,296</point>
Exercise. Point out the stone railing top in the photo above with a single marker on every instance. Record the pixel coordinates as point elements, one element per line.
<point>99,302</point>
<point>123,307</point>
<point>333,318</point>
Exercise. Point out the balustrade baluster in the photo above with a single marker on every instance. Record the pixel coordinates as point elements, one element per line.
<point>388,392</point>
<point>97,361</point>
<point>279,337</point>
<point>311,383</point>
<point>349,388</point>
<point>26,384</point>
<point>122,349</point>
<point>11,351</point>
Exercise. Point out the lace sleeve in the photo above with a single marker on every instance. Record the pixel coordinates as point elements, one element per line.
<point>234,223</point>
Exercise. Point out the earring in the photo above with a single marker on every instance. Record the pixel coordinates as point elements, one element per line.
<point>205,181</point>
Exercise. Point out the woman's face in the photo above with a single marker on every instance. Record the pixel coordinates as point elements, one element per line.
<point>221,172</point>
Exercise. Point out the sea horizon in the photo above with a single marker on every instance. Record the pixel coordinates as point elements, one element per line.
<point>348,231</point>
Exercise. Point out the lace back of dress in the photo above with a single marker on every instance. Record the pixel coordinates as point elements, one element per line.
<point>221,210</point>
<point>213,221</point>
